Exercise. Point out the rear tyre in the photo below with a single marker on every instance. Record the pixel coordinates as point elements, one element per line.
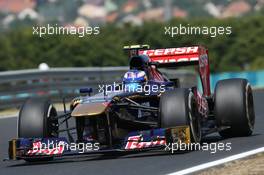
<point>36,120</point>
<point>234,108</point>
<point>178,108</point>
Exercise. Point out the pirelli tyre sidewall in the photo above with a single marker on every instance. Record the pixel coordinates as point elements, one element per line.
<point>234,107</point>
<point>36,119</point>
<point>178,108</point>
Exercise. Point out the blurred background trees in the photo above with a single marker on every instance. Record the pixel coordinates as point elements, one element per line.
<point>242,50</point>
<point>128,22</point>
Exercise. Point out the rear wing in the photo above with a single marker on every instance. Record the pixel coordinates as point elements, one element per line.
<point>133,50</point>
<point>183,56</point>
<point>173,57</point>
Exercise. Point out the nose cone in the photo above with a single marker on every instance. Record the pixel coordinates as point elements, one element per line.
<point>89,109</point>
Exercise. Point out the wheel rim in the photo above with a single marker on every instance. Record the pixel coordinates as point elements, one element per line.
<point>249,107</point>
<point>53,124</point>
<point>194,120</point>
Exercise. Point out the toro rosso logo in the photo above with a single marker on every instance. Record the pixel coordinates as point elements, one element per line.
<point>135,142</point>
<point>172,55</point>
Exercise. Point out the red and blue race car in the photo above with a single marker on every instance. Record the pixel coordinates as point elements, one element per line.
<point>145,111</point>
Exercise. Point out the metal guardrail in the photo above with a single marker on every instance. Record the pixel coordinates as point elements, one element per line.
<point>55,83</point>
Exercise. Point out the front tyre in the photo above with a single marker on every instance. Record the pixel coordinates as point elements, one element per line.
<point>37,120</point>
<point>178,108</point>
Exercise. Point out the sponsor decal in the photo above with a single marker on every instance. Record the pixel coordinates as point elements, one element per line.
<point>136,142</point>
<point>202,105</point>
<point>170,51</point>
<point>173,55</point>
<point>174,59</point>
<point>39,148</point>
<point>51,147</point>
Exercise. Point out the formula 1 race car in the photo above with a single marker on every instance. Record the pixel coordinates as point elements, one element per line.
<point>146,111</point>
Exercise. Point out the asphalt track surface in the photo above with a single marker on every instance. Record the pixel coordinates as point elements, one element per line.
<point>147,163</point>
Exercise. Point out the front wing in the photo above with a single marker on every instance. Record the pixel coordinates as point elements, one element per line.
<point>138,141</point>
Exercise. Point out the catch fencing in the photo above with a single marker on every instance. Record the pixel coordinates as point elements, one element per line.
<point>58,83</point>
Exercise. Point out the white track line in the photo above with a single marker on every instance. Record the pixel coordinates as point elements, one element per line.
<point>218,162</point>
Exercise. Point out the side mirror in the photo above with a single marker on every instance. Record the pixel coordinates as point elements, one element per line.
<point>86,91</point>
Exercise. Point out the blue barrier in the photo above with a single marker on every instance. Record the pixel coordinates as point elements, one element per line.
<point>256,78</point>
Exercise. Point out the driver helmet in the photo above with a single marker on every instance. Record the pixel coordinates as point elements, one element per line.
<point>134,78</point>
